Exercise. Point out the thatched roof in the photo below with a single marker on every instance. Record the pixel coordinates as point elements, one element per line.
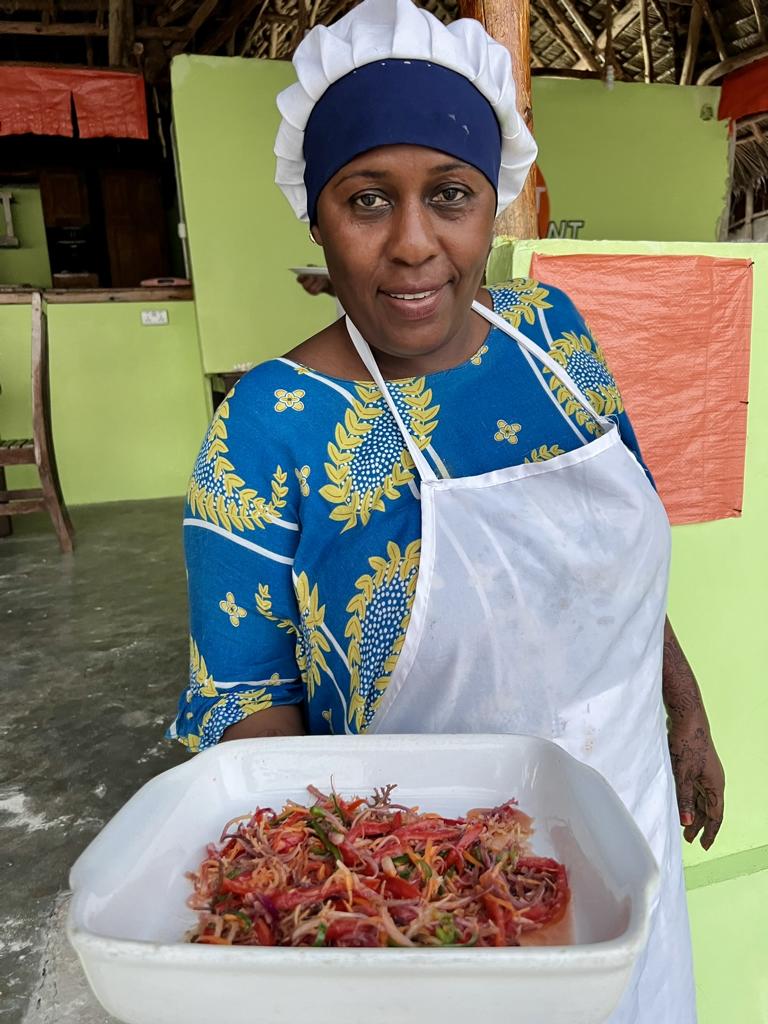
<point>566,35</point>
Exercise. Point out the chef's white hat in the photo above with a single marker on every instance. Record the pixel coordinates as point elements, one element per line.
<point>414,89</point>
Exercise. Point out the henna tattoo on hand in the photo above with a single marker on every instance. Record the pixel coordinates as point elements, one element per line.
<point>680,690</point>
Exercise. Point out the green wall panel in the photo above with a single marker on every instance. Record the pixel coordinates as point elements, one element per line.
<point>29,263</point>
<point>129,406</point>
<point>633,162</point>
<point>731,950</point>
<point>243,235</point>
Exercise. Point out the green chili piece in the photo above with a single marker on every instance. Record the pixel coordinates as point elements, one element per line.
<point>334,851</point>
<point>322,931</point>
<point>447,931</point>
<point>235,872</point>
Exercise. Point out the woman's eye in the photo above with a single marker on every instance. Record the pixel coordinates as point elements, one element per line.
<point>370,201</point>
<point>450,195</point>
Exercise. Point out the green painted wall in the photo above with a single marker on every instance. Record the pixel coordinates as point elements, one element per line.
<point>29,263</point>
<point>633,162</point>
<point>636,161</point>
<point>129,404</point>
<point>718,599</point>
<point>243,235</point>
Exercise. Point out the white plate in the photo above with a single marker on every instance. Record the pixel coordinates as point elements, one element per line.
<point>128,911</point>
<point>311,271</point>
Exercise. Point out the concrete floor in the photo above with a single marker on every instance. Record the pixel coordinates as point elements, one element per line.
<point>94,652</point>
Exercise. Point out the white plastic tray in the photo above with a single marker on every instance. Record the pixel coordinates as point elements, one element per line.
<point>128,913</point>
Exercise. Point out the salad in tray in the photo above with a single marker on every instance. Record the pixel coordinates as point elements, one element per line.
<point>371,872</point>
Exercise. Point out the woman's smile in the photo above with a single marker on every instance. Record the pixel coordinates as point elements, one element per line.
<point>415,303</point>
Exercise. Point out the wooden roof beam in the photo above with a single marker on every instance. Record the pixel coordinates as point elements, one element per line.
<point>551,30</point>
<point>565,34</point>
<point>714,28</point>
<point>168,11</point>
<point>691,44</point>
<point>575,15</point>
<point>621,20</point>
<point>645,39</point>
<point>759,19</point>
<point>230,25</point>
<point>731,64</point>
<point>203,12</point>
<point>120,32</point>
<point>85,28</point>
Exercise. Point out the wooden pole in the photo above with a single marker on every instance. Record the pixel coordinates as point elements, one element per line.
<point>759,19</point>
<point>691,45</point>
<point>120,40</point>
<point>645,36</point>
<point>508,22</point>
<point>714,28</point>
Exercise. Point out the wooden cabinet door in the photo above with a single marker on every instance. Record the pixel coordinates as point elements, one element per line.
<point>65,199</point>
<point>136,225</point>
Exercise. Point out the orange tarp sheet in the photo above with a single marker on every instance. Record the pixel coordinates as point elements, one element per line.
<point>39,101</point>
<point>676,334</point>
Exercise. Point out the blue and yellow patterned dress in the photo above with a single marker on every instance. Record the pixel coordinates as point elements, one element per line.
<point>302,523</point>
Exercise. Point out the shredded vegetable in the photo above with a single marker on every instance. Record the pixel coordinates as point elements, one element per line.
<point>370,872</point>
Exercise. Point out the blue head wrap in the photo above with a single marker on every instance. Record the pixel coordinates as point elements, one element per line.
<point>392,102</point>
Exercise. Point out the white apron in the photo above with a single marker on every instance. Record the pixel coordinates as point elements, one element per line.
<point>539,609</point>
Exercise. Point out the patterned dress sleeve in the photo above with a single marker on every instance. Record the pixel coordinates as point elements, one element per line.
<point>240,535</point>
<point>573,345</point>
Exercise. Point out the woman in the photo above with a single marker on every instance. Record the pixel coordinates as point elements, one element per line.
<point>417,522</point>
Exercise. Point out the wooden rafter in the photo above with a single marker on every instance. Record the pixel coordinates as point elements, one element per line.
<point>575,15</point>
<point>120,32</point>
<point>645,39</point>
<point>68,6</point>
<point>692,44</point>
<point>197,20</point>
<point>621,20</point>
<point>169,11</point>
<point>566,33</point>
<point>759,19</point>
<point>731,64</point>
<point>240,11</point>
<point>85,29</point>
<point>714,28</point>
<point>549,27</point>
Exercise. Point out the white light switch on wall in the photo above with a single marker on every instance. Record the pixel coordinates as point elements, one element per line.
<point>154,317</point>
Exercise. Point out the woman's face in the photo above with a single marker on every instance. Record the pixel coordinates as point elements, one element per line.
<point>406,232</point>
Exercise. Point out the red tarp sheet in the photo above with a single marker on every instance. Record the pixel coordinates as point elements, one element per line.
<point>38,101</point>
<point>676,334</point>
<point>744,91</point>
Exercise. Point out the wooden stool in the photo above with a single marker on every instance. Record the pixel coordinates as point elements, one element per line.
<point>38,449</point>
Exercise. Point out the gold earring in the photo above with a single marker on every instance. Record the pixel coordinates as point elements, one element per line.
<point>312,238</point>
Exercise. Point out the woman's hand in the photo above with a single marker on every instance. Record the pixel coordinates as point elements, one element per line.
<point>316,284</point>
<point>699,778</point>
<point>699,775</point>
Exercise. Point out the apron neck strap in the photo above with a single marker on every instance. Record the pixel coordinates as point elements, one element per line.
<point>544,357</point>
<point>364,351</point>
